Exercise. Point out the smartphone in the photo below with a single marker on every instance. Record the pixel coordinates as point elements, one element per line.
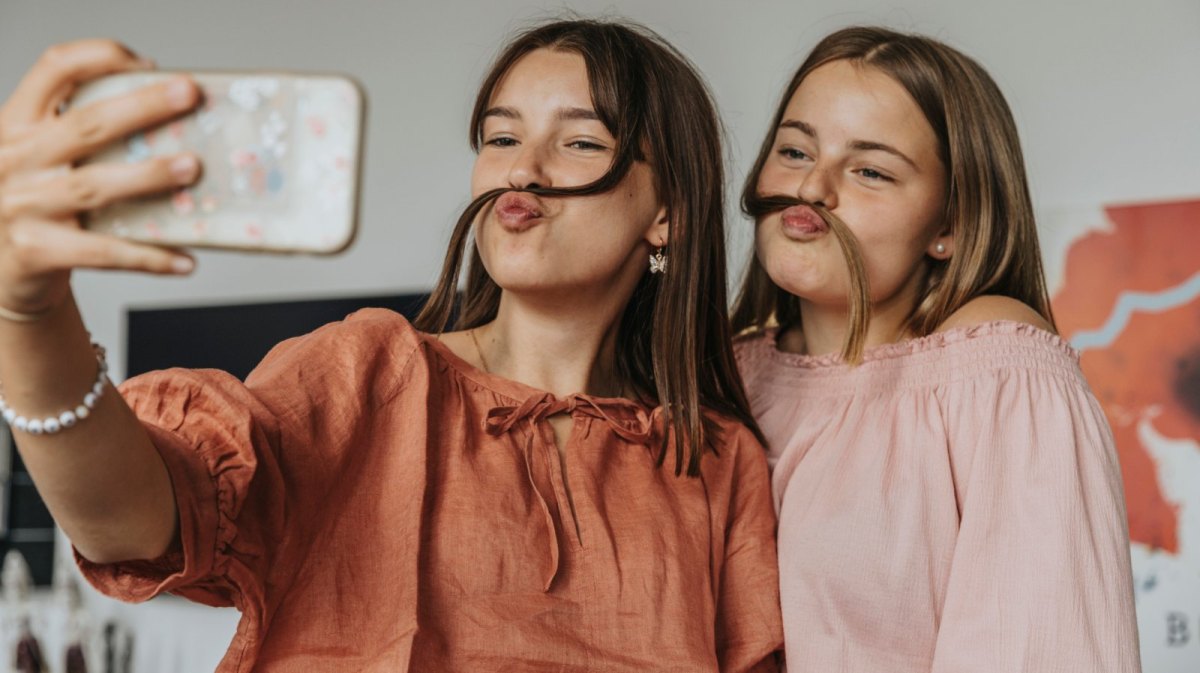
<point>282,159</point>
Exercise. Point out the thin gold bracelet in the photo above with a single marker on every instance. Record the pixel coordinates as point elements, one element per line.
<point>14,316</point>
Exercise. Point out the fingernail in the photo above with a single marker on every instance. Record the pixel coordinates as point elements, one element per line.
<point>182,265</point>
<point>181,93</point>
<point>184,167</point>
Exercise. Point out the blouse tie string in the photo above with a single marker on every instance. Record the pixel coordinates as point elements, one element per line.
<point>536,408</point>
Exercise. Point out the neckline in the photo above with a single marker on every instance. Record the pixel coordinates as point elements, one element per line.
<point>922,344</point>
<point>514,391</point>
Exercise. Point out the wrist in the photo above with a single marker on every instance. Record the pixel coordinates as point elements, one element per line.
<point>67,418</point>
<point>24,316</point>
<point>22,303</point>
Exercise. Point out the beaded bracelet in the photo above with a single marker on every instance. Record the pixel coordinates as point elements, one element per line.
<point>52,424</point>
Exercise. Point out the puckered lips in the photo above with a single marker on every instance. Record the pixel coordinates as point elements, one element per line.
<point>802,223</point>
<point>517,212</point>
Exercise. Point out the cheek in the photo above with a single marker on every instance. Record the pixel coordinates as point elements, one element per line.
<point>476,180</point>
<point>486,173</point>
<point>814,270</point>
<point>920,217</point>
<point>607,226</point>
<point>893,241</point>
<point>887,225</point>
<point>621,217</point>
<point>775,180</point>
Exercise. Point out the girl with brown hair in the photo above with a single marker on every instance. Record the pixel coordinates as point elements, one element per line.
<point>948,491</point>
<point>570,481</point>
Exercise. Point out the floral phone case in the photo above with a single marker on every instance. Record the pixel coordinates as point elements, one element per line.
<point>281,156</point>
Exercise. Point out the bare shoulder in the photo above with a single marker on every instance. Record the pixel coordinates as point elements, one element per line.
<point>990,308</point>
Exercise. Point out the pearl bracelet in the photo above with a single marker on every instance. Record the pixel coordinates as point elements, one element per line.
<point>53,424</point>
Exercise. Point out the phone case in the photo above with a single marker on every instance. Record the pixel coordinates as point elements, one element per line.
<point>281,160</point>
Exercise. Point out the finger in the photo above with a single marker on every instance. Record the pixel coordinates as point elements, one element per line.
<point>60,69</point>
<point>42,247</point>
<point>57,193</point>
<point>82,131</point>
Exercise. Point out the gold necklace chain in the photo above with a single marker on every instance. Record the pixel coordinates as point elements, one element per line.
<point>479,351</point>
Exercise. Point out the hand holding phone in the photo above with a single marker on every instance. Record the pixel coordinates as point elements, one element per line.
<point>281,155</point>
<point>43,190</point>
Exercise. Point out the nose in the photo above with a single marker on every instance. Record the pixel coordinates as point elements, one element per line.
<point>528,168</point>
<point>818,188</point>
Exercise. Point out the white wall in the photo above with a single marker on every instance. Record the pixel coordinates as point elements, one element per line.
<point>1105,94</point>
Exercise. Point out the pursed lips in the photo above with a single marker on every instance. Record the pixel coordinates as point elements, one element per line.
<point>802,223</point>
<point>517,212</point>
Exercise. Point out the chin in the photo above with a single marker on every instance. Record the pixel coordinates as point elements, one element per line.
<point>517,276</point>
<point>797,274</point>
<point>521,275</point>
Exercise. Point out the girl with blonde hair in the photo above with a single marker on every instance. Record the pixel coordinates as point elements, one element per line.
<point>949,496</point>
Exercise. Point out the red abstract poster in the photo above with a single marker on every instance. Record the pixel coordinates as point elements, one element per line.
<point>1129,301</point>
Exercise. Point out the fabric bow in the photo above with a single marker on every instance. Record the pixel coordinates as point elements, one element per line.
<point>501,420</point>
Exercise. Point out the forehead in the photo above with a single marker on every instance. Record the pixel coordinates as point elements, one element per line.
<point>859,102</point>
<point>544,76</point>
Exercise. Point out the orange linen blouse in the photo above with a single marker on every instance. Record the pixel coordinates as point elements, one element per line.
<point>371,502</point>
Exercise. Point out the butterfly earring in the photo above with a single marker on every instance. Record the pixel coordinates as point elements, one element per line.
<point>658,261</point>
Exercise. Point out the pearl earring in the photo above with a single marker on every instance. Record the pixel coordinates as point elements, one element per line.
<point>940,248</point>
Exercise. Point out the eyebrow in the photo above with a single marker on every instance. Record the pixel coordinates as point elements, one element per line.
<point>562,114</point>
<point>799,126</point>
<point>857,145</point>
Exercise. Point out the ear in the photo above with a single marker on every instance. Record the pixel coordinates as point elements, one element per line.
<point>941,247</point>
<point>658,233</point>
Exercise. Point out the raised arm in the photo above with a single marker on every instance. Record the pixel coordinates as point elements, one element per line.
<point>101,478</point>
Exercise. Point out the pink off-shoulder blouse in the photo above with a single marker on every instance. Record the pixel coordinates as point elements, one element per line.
<point>952,504</point>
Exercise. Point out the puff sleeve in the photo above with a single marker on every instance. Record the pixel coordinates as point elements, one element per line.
<point>250,463</point>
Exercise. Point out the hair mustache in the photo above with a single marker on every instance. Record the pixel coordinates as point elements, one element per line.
<point>859,295</point>
<point>440,307</point>
<point>604,183</point>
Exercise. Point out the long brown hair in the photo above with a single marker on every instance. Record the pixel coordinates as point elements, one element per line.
<point>988,208</point>
<point>673,342</point>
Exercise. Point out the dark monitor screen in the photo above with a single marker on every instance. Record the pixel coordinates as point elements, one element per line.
<point>236,337</point>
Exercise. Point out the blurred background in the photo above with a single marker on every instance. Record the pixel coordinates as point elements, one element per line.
<point>1105,95</point>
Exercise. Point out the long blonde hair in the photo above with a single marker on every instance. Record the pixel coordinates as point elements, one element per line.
<point>988,208</point>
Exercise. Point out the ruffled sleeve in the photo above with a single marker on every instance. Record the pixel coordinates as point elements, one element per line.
<point>1040,578</point>
<point>249,463</point>
<point>749,622</point>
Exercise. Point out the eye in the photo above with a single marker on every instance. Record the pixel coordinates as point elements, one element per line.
<point>792,154</point>
<point>502,141</point>
<point>586,145</point>
<point>872,174</point>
